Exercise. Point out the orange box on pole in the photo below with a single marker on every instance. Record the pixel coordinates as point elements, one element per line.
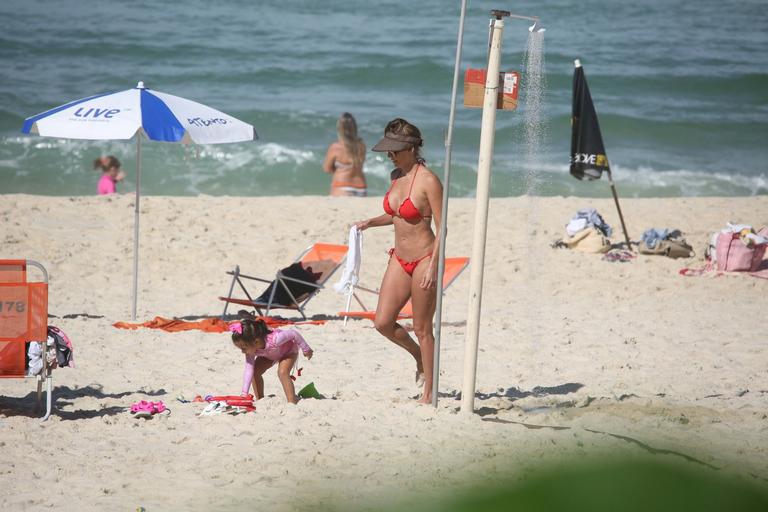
<point>474,89</point>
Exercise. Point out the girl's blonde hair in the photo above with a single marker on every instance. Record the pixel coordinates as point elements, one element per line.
<point>346,127</point>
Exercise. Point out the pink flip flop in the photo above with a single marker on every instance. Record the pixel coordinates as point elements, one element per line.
<point>145,409</point>
<point>142,409</point>
<point>159,408</point>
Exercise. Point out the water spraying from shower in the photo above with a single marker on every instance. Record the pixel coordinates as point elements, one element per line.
<point>536,27</point>
<point>533,134</point>
<point>534,86</point>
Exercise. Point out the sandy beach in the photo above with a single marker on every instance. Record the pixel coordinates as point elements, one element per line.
<point>623,356</point>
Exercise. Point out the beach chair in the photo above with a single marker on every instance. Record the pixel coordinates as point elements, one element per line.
<point>294,286</point>
<point>23,319</point>
<point>453,268</point>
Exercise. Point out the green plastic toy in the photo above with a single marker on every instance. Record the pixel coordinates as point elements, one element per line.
<point>309,391</point>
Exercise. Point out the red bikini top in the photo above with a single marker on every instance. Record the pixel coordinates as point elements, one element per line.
<point>407,210</point>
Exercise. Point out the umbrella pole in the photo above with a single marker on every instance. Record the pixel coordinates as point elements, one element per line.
<point>487,133</point>
<point>621,217</point>
<point>136,225</point>
<point>444,214</point>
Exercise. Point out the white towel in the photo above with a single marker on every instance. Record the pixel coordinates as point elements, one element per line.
<point>351,272</point>
<point>35,355</point>
<point>587,217</point>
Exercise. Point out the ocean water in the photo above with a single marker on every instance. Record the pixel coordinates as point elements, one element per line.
<point>681,90</point>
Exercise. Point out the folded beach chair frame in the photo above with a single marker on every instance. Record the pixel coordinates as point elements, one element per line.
<point>264,308</point>
<point>453,268</point>
<point>365,313</point>
<point>357,298</point>
<point>23,319</point>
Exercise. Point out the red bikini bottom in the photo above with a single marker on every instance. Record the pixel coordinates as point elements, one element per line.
<point>408,266</point>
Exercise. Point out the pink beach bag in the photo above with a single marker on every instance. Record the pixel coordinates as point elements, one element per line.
<point>735,256</point>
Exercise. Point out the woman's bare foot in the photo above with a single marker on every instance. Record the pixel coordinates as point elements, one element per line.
<point>419,378</point>
<point>424,400</point>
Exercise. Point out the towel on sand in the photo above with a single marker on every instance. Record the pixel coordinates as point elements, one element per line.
<point>206,324</point>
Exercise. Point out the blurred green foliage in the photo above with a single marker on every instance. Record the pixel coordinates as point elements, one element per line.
<point>641,485</point>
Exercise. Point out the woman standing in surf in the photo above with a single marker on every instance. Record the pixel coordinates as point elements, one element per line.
<point>344,160</point>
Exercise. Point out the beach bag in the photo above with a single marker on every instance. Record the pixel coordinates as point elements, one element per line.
<point>733,255</point>
<point>589,239</point>
<point>63,346</point>
<point>671,248</point>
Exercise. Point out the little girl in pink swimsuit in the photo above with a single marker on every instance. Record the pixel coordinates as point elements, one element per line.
<point>111,175</point>
<point>262,348</point>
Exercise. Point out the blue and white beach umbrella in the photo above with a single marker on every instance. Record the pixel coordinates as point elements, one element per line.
<point>121,115</point>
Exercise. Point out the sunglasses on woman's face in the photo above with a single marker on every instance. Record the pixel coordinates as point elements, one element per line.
<point>393,153</point>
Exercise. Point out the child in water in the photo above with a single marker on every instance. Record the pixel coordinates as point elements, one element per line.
<point>111,174</point>
<point>262,348</point>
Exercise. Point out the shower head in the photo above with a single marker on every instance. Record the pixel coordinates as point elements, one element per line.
<point>536,27</point>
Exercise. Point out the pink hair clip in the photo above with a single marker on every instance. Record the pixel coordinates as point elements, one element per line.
<point>236,327</point>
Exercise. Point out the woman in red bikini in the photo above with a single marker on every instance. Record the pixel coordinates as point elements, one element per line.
<point>413,200</point>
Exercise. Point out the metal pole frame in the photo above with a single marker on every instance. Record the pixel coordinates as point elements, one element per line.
<point>136,225</point>
<point>444,214</point>
<point>45,373</point>
<point>618,208</point>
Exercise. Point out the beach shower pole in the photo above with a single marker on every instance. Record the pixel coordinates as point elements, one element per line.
<point>487,133</point>
<point>136,224</point>
<point>444,214</point>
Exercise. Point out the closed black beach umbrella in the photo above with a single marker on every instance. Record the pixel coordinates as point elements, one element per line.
<point>588,158</point>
